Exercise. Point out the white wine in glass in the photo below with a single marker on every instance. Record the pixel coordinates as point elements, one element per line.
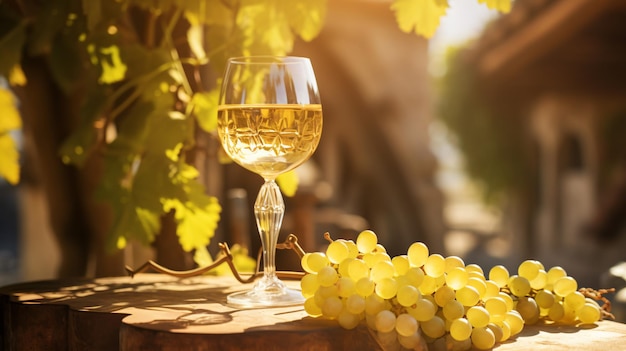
<point>269,122</point>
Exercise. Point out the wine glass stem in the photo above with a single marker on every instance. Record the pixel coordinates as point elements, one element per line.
<point>269,209</point>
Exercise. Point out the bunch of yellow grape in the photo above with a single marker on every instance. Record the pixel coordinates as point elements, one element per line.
<point>423,298</point>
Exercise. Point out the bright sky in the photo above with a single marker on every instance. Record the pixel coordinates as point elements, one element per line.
<point>464,21</point>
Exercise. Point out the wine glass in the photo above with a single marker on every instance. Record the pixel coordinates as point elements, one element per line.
<point>269,122</point>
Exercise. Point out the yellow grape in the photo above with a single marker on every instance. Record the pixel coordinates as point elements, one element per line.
<point>544,298</point>
<point>478,316</point>
<point>506,331</point>
<point>309,285</point>
<point>515,321</point>
<point>492,289</point>
<point>528,309</point>
<point>555,273</point>
<point>410,342</point>
<point>348,320</point>
<point>385,321</point>
<point>588,313</point>
<point>428,286</point>
<point>311,307</point>
<point>565,285</point>
<point>332,306</point>
<point>407,295</point>
<point>556,312</point>
<point>352,249</point>
<point>365,287</point>
<point>344,267</point>
<point>366,241</point>
<point>479,284</point>
<point>457,278</point>
<point>575,300</point>
<point>435,265</point>
<point>401,264</point>
<point>454,262</point>
<point>316,261</point>
<point>304,263</point>
<point>500,275</point>
<point>468,296</point>
<point>528,269</point>
<point>422,310</point>
<point>483,338</point>
<point>460,329</point>
<point>540,281</point>
<point>406,325</point>
<point>498,333</point>
<point>418,253</point>
<point>443,295</point>
<point>374,304</point>
<point>327,276</point>
<point>520,286</point>
<point>456,345</point>
<point>508,299</point>
<point>434,328</point>
<point>355,304</point>
<point>475,268</point>
<point>496,305</point>
<point>415,276</point>
<point>382,270</point>
<point>453,310</point>
<point>358,269</point>
<point>387,288</point>
<point>337,251</point>
<point>346,287</point>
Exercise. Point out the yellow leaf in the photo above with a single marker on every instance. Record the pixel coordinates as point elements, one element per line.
<point>9,116</point>
<point>17,76</point>
<point>113,69</point>
<point>9,159</point>
<point>288,183</point>
<point>421,16</point>
<point>306,17</point>
<point>204,107</point>
<point>500,5</point>
<point>9,120</point>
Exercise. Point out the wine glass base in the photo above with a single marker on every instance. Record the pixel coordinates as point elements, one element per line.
<point>266,293</point>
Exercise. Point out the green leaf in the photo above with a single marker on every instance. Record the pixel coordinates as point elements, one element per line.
<point>204,106</point>
<point>133,223</point>
<point>288,183</point>
<point>196,224</point>
<point>421,16</point>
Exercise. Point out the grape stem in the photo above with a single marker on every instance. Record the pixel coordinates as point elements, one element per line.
<point>327,237</point>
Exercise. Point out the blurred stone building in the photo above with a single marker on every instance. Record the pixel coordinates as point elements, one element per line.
<point>560,67</point>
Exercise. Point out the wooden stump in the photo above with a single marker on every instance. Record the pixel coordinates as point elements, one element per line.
<point>158,312</point>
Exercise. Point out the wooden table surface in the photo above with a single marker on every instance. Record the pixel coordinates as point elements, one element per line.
<point>158,312</point>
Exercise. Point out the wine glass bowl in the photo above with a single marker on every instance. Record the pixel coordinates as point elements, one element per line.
<point>269,122</point>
